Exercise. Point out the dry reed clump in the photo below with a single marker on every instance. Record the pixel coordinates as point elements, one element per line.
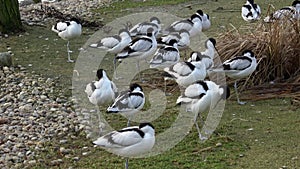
<point>276,46</point>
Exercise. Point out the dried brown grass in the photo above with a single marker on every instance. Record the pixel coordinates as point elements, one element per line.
<point>277,49</point>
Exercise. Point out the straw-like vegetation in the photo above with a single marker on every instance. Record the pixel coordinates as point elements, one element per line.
<point>277,50</point>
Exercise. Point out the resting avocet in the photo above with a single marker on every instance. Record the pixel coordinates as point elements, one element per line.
<point>140,48</point>
<point>129,141</point>
<point>193,25</point>
<point>200,97</point>
<point>101,92</point>
<point>129,102</point>
<point>186,73</point>
<point>68,30</point>
<point>285,12</point>
<point>251,11</point>
<point>142,28</point>
<point>205,20</point>
<point>166,55</point>
<point>240,67</point>
<point>114,44</point>
<point>206,56</point>
<point>182,37</point>
<point>296,5</point>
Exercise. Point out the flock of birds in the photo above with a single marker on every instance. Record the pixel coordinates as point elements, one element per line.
<point>165,46</point>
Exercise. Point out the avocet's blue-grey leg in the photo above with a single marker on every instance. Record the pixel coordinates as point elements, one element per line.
<point>126,163</point>
<point>138,69</point>
<point>128,123</point>
<point>115,68</point>
<point>197,127</point>
<point>69,51</point>
<point>237,94</point>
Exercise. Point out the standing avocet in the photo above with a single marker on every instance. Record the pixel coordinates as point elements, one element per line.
<point>140,48</point>
<point>114,44</point>
<point>68,30</point>
<point>129,141</point>
<point>186,73</point>
<point>239,67</point>
<point>101,92</point>
<point>200,97</point>
<point>129,102</point>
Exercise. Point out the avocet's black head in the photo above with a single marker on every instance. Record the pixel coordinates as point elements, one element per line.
<point>155,19</point>
<point>213,41</point>
<point>226,92</point>
<point>75,20</point>
<point>146,124</point>
<point>135,86</point>
<point>172,42</point>
<point>200,12</point>
<point>248,53</point>
<point>251,1</point>
<point>150,32</point>
<point>99,73</point>
<point>194,16</point>
<point>295,3</point>
<point>195,56</point>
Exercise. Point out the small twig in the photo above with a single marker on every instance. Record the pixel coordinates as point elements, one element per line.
<point>202,150</point>
<point>238,119</point>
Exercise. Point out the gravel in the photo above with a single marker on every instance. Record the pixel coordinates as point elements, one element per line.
<point>43,14</point>
<point>32,112</point>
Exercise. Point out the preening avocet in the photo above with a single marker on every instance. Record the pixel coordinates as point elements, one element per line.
<point>186,73</point>
<point>251,11</point>
<point>166,55</point>
<point>140,48</point>
<point>193,25</point>
<point>129,102</point>
<point>206,56</point>
<point>101,92</point>
<point>200,97</point>
<point>205,20</point>
<point>68,30</point>
<point>130,141</point>
<point>182,37</point>
<point>142,28</point>
<point>240,67</point>
<point>285,12</point>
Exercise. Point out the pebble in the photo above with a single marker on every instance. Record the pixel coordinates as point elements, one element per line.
<point>32,162</point>
<point>34,14</point>
<point>56,162</point>
<point>218,144</point>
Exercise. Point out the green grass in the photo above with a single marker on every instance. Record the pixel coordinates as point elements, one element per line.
<point>273,142</point>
